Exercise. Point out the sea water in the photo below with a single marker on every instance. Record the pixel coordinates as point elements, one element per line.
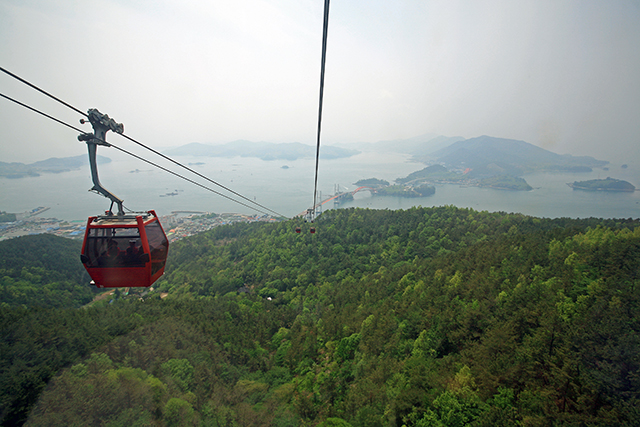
<point>286,187</point>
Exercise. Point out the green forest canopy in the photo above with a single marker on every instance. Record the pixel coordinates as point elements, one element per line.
<point>424,317</point>
<point>43,270</point>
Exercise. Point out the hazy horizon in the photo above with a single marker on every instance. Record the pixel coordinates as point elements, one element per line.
<point>104,151</point>
<point>289,191</point>
<point>559,75</point>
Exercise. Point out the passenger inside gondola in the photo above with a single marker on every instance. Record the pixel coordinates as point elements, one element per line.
<point>133,254</point>
<point>112,257</point>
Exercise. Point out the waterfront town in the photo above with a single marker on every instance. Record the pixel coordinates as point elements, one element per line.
<point>177,225</point>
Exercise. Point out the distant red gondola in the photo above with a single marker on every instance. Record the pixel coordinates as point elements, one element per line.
<point>129,251</point>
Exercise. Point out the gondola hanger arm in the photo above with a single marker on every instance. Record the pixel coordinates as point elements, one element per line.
<point>101,124</point>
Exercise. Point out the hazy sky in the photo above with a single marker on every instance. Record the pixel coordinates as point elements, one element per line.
<point>564,75</point>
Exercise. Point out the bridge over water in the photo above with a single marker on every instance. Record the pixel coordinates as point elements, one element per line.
<point>337,197</point>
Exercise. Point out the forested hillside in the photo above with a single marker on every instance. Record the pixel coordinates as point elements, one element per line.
<point>424,317</point>
<point>43,270</point>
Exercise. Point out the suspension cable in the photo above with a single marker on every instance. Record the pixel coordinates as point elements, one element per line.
<point>40,112</point>
<point>197,173</point>
<point>135,155</point>
<point>141,144</point>
<point>42,91</point>
<point>325,28</point>
<point>185,178</point>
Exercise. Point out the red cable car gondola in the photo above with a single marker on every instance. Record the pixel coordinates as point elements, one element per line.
<point>124,251</point>
<point>119,250</point>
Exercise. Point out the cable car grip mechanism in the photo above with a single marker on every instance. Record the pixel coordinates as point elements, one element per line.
<point>101,124</point>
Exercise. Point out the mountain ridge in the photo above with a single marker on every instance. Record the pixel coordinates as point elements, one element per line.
<point>417,145</point>
<point>511,154</point>
<point>50,165</point>
<point>262,150</point>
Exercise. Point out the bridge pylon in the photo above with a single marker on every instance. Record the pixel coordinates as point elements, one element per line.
<point>318,203</point>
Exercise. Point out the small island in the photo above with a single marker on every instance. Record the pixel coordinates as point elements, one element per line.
<point>433,173</point>
<point>406,191</point>
<point>608,184</point>
<point>505,182</point>
<point>380,187</point>
<point>441,175</point>
<point>372,182</point>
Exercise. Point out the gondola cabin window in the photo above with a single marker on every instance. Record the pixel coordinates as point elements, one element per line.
<point>114,247</point>
<point>158,246</point>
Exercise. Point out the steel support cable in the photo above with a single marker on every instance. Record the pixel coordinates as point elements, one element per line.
<point>40,112</point>
<point>185,178</point>
<point>198,174</point>
<point>325,28</point>
<point>141,144</point>
<point>42,91</point>
<point>133,155</point>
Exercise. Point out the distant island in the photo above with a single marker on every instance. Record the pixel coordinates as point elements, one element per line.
<point>492,162</point>
<point>52,165</point>
<point>608,184</point>
<point>381,187</point>
<point>406,191</point>
<point>416,146</point>
<point>261,150</point>
<point>505,182</point>
<point>433,173</point>
<point>487,155</point>
<point>441,175</point>
<point>372,182</point>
